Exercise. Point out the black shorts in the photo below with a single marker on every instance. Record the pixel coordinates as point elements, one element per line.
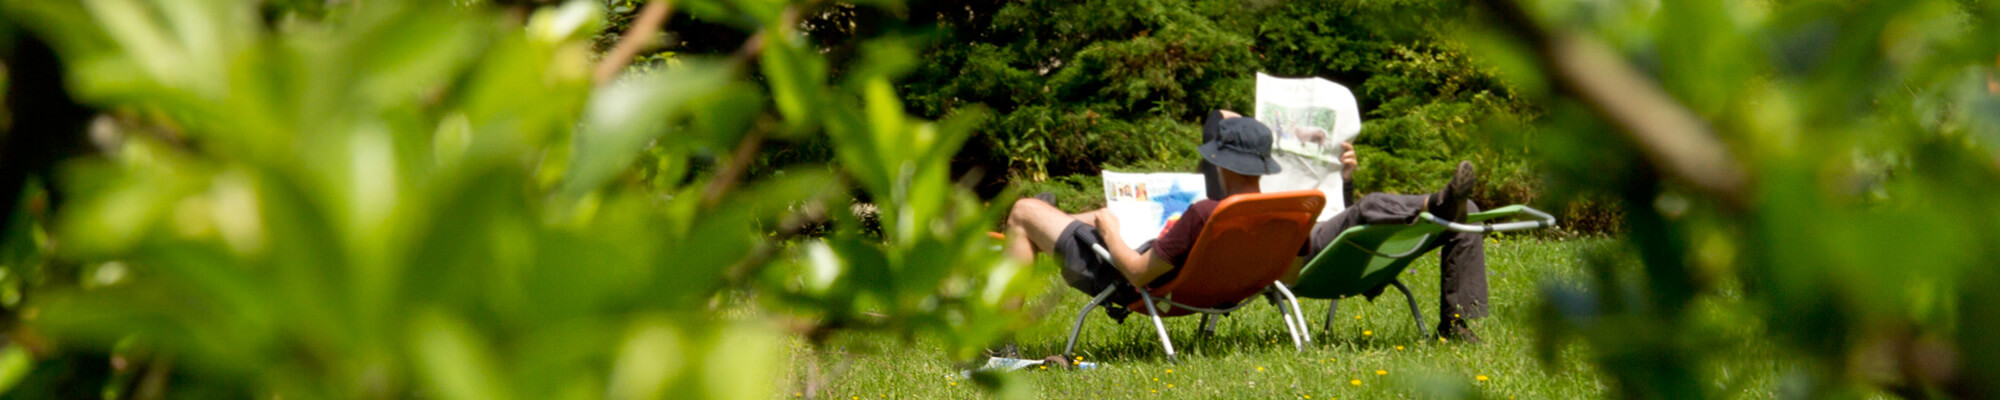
<point>1085,270</point>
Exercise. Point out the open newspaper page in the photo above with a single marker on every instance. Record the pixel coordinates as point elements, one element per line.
<point>1144,202</point>
<point>1311,117</point>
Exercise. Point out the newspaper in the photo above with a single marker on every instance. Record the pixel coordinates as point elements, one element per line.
<point>1311,117</point>
<point>1144,202</point>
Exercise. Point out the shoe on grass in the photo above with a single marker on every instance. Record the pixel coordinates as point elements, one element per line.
<point>1457,331</point>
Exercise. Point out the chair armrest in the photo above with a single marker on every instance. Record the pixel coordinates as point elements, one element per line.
<point>1540,220</point>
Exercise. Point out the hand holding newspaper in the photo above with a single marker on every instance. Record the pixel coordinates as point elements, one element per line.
<point>1311,117</point>
<point>1144,203</point>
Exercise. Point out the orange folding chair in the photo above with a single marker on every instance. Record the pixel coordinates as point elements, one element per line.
<point>1246,246</point>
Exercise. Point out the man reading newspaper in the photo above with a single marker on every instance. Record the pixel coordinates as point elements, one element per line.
<point>1241,147</point>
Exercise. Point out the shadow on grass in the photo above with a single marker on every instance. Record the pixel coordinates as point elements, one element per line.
<point>1136,341</point>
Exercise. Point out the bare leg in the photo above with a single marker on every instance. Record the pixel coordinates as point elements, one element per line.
<point>1018,246</point>
<point>1032,226</point>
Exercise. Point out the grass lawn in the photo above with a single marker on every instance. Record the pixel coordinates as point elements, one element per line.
<point>1373,351</point>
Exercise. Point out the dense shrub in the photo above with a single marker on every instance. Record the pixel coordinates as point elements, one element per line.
<point>1082,87</point>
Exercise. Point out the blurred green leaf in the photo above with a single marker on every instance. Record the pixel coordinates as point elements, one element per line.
<point>454,360</point>
<point>796,76</point>
<point>15,363</point>
<point>625,115</point>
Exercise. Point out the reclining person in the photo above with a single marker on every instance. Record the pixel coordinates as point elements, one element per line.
<point>1462,255</point>
<point>1241,147</point>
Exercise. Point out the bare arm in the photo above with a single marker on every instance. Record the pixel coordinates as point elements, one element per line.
<point>1139,268</point>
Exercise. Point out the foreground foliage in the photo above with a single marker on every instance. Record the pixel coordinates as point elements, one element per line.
<point>411,199</point>
<point>1837,159</point>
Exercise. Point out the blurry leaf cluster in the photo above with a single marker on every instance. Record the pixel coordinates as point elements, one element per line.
<point>427,199</point>
<point>1862,233</point>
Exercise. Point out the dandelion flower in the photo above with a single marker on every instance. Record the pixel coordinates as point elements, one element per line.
<point>1399,348</point>
<point>1356,382</point>
<point>1156,379</point>
<point>1260,369</point>
<point>1357,317</point>
<point>1170,386</point>
<point>1170,370</point>
<point>1481,378</point>
<point>954,383</point>
<point>798,394</point>
<point>1156,390</point>
<point>1380,372</point>
<point>1367,333</point>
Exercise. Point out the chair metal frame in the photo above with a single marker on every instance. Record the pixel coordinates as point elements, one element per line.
<point>1280,295</point>
<point>1295,320</point>
<point>1537,220</point>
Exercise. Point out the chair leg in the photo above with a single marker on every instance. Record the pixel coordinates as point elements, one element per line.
<point>1160,326</point>
<point>1415,314</point>
<point>1299,313</point>
<point>1069,349</point>
<point>1208,323</point>
<point>1291,326</point>
<point>1332,306</point>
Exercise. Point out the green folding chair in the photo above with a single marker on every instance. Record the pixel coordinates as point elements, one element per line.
<point>1365,257</point>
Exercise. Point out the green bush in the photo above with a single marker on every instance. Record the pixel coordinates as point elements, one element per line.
<point>1080,88</point>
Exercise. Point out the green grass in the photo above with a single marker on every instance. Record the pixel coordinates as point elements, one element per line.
<point>1250,356</point>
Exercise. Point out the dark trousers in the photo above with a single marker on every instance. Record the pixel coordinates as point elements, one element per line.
<point>1462,260</point>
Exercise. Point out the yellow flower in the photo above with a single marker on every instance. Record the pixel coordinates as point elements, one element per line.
<point>1357,317</point>
<point>1356,382</point>
<point>1156,379</point>
<point>1045,367</point>
<point>1481,378</point>
<point>1381,372</point>
<point>1260,369</point>
<point>1170,386</point>
<point>857,397</point>
<point>798,394</point>
<point>1170,370</point>
<point>1156,390</point>
<point>954,383</point>
<point>1399,348</point>
<point>1367,333</point>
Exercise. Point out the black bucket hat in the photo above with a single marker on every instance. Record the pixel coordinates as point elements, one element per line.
<point>1242,145</point>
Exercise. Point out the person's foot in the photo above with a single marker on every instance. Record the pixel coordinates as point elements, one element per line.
<point>1457,331</point>
<point>1449,203</point>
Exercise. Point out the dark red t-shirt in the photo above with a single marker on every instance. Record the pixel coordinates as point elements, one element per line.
<point>1178,239</point>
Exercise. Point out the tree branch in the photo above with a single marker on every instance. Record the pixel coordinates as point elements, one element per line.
<point>1668,134</point>
<point>636,39</point>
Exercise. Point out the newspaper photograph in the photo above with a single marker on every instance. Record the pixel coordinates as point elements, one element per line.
<point>1310,118</point>
<point>1145,202</point>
